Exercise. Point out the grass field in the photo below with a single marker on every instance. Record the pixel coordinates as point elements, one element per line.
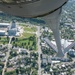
<point>23,40</point>
<point>26,35</point>
<point>25,43</point>
<point>30,29</point>
<point>4,40</point>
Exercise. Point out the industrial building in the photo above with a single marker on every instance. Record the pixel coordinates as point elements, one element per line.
<point>9,29</point>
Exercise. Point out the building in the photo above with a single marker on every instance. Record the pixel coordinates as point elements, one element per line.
<point>4,25</point>
<point>44,59</point>
<point>13,24</point>
<point>64,43</point>
<point>49,60</point>
<point>12,32</point>
<point>12,29</point>
<point>9,29</point>
<point>2,54</point>
<point>2,33</point>
<point>71,52</point>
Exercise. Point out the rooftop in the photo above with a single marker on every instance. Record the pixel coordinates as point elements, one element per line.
<point>7,24</point>
<point>2,30</point>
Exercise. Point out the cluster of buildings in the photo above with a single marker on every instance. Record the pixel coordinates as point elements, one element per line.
<point>3,50</point>
<point>12,62</point>
<point>9,29</point>
<point>12,29</point>
<point>46,59</point>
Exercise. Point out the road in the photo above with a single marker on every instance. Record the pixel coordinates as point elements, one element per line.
<point>7,56</point>
<point>39,50</point>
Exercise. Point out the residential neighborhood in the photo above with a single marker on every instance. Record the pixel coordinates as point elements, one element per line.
<point>34,52</point>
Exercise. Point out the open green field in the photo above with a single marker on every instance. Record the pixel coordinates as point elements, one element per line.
<point>28,28</point>
<point>28,43</point>
<point>4,40</point>
<point>11,73</point>
<point>26,35</point>
<point>27,39</point>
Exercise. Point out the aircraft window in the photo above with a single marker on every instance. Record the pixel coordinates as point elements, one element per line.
<point>17,1</point>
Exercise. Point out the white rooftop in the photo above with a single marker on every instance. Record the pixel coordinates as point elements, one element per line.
<point>5,24</point>
<point>55,61</point>
<point>64,42</point>
<point>46,74</point>
<point>2,30</point>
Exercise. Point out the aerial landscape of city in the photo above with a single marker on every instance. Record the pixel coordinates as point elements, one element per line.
<point>28,46</point>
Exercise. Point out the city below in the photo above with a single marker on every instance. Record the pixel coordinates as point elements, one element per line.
<point>28,49</point>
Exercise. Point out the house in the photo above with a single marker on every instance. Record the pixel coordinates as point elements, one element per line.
<point>24,51</point>
<point>71,52</point>
<point>49,60</point>
<point>44,59</point>
<point>2,54</point>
